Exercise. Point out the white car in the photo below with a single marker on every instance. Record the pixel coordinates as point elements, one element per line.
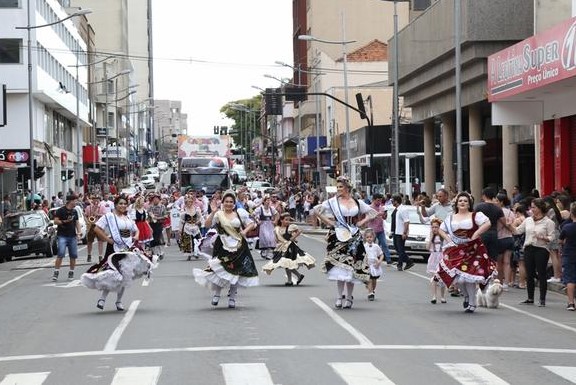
<point>418,233</point>
<point>154,172</point>
<point>162,166</point>
<point>148,181</point>
<point>258,185</point>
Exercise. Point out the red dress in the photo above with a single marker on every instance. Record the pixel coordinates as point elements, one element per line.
<point>145,231</point>
<point>468,260</point>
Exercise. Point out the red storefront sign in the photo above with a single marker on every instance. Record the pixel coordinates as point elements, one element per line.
<point>537,61</point>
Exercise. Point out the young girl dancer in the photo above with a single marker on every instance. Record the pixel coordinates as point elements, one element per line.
<point>435,247</point>
<point>287,254</point>
<point>374,258</point>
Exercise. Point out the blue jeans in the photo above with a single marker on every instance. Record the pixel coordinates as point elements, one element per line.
<point>381,238</point>
<point>400,251</point>
<point>71,243</point>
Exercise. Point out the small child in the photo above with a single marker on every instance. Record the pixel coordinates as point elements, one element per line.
<point>435,248</point>
<point>374,258</point>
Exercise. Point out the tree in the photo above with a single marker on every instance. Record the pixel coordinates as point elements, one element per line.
<point>246,124</point>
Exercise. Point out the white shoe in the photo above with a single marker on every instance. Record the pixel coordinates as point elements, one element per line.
<point>554,280</point>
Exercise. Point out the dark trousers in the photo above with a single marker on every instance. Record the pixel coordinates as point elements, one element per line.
<point>400,251</point>
<point>536,261</point>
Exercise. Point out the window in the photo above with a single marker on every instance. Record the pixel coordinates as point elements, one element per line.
<point>9,3</point>
<point>10,50</point>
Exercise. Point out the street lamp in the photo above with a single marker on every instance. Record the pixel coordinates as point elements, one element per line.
<point>317,119</point>
<point>28,28</point>
<point>343,42</point>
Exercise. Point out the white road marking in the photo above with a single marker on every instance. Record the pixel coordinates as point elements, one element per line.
<point>360,373</point>
<point>106,354</point>
<point>246,374</point>
<point>361,338</point>
<point>523,312</point>
<point>115,337</point>
<point>65,285</point>
<point>471,374</point>
<point>146,282</point>
<point>146,375</point>
<point>566,372</point>
<point>25,379</point>
<point>18,278</point>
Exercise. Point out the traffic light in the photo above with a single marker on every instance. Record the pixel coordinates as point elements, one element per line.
<point>66,174</point>
<point>63,175</point>
<point>70,174</point>
<point>216,130</point>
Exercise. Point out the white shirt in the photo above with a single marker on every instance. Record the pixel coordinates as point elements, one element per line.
<point>402,217</point>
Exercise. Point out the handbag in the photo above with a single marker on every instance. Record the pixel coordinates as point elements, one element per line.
<point>254,233</point>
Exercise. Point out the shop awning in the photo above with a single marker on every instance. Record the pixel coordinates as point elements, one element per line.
<point>7,165</point>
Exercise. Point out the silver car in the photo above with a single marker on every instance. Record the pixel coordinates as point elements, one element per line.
<point>418,233</point>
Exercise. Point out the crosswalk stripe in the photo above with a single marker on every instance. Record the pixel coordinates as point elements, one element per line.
<point>246,374</point>
<point>25,378</point>
<point>471,374</point>
<point>566,372</point>
<point>146,375</point>
<point>360,373</point>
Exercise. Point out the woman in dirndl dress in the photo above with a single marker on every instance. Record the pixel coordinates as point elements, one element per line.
<point>345,254</point>
<point>266,216</point>
<point>465,262</point>
<point>191,218</point>
<point>139,215</point>
<point>287,254</point>
<point>231,263</point>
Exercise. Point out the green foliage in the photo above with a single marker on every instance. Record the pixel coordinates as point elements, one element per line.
<point>246,122</point>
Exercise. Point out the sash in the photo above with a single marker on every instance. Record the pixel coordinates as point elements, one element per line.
<point>119,242</point>
<point>343,230</point>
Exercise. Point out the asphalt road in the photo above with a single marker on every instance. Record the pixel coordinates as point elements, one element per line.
<point>53,334</point>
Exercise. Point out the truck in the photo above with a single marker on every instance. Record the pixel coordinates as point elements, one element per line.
<point>207,173</point>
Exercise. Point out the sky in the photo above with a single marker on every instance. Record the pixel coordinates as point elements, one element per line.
<point>208,53</point>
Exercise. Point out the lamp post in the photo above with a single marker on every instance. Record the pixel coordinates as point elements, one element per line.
<point>28,28</point>
<point>246,110</point>
<point>343,42</point>
<point>458,101</point>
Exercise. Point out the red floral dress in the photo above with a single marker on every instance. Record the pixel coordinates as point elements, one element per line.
<point>468,260</point>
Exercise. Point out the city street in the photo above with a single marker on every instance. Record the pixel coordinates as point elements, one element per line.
<point>53,334</point>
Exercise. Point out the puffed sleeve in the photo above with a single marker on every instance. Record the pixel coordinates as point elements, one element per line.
<point>368,210</point>
<point>292,228</point>
<point>102,222</point>
<point>323,207</point>
<point>480,218</point>
<point>245,217</point>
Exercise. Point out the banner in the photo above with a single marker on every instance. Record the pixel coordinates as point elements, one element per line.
<point>203,145</point>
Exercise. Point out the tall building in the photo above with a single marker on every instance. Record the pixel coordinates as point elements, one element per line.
<point>169,122</point>
<point>45,116</point>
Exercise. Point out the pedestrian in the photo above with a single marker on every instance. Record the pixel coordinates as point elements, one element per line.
<point>466,261</point>
<point>568,239</point>
<point>121,263</point>
<point>190,219</point>
<point>539,232</point>
<point>175,223</point>
<point>266,216</point>
<point>287,255</point>
<point>554,246</point>
<point>435,244</point>
<point>93,213</point>
<point>374,258</point>
<point>345,254</point>
<point>400,228</point>
<point>68,233</point>
<point>377,224</point>
<point>231,264</point>
<point>158,214</point>
<point>489,208</point>
<point>440,209</point>
<point>140,216</point>
<point>166,223</point>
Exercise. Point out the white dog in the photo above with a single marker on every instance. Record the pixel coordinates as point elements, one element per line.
<point>490,298</point>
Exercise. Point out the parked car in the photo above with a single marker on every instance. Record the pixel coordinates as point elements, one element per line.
<point>418,233</point>
<point>148,181</point>
<point>81,220</point>
<point>26,233</point>
<point>153,171</point>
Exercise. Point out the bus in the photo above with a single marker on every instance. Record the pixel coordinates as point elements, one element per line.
<point>207,173</point>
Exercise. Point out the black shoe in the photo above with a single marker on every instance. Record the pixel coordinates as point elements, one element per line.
<point>433,301</point>
<point>119,306</point>
<point>465,304</point>
<point>399,268</point>
<point>371,297</point>
<point>470,309</point>
<point>100,304</point>
<point>300,280</point>
<point>348,303</point>
<point>289,284</point>
<point>542,303</point>
<point>527,302</point>
<point>409,265</point>
<point>215,300</point>
<point>89,258</point>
